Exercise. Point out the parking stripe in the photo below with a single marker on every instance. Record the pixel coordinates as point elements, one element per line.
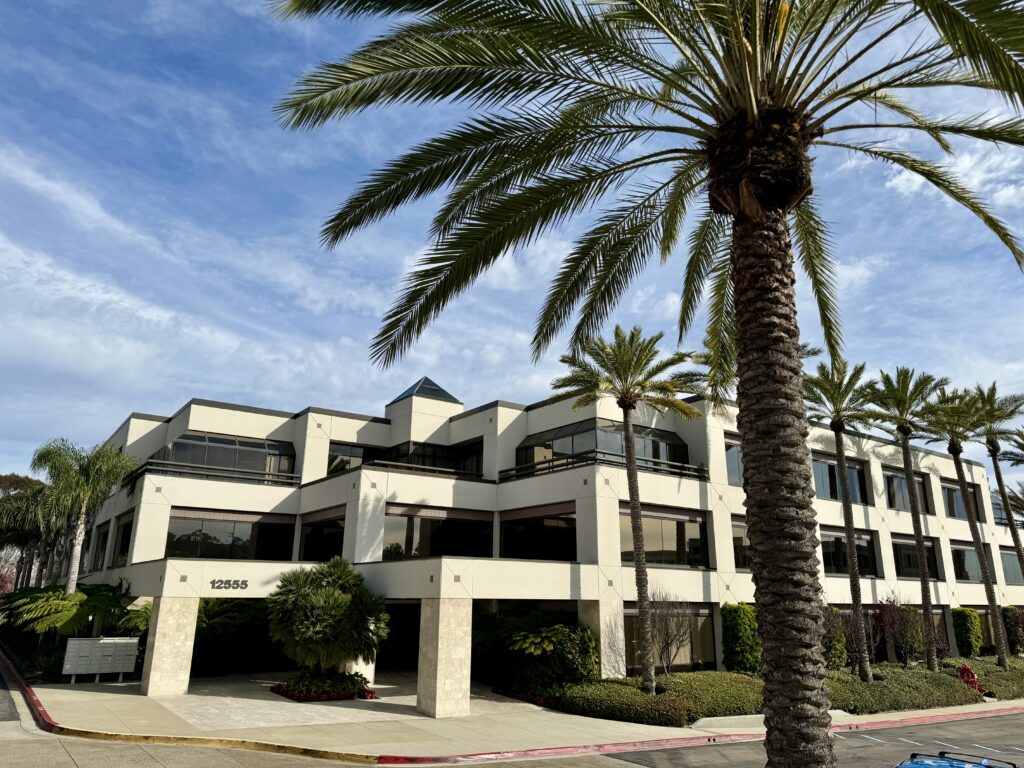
<point>988,749</point>
<point>915,743</point>
<point>880,741</point>
<point>951,746</point>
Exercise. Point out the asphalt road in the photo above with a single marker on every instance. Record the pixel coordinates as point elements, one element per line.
<point>7,710</point>
<point>999,737</point>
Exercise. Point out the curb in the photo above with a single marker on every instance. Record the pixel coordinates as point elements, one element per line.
<point>46,723</point>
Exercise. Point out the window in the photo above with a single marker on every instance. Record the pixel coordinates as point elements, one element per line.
<point>218,539</point>
<point>966,566</point>
<point>322,540</point>
<point>668,541</point>
<point>409,536</point>
<point>826,480</point>
<point>954,501</point>
<point>833,550</point>
<point>465,459</point>
<point>734,464</point>
<point>1011,567</point>
<point>229,452</point>
<point>122,540</point>
<point>740,546</point>
<point>344,456</point>
<point>99,556</point>
<point>896,493</point>
<point>540,538</point>
<point>697,653</point>
<point>604,435</point>
<point>907,564</point>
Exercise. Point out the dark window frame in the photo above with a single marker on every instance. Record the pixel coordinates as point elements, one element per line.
<point>869,565</point>
<point>860,490</point>
<point>932,553</point>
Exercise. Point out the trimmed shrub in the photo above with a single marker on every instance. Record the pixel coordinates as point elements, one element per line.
<point>967,630</point>
<point>741,647</point>
<point>835,639</point>
<point>324,686</point>
<point>623,700</point>
<point>901,626</point>
<point>897,688</point>
<point>548,659</point>
<point>715,694</point>
<point>1004,684</point>
<point>1013,620</point>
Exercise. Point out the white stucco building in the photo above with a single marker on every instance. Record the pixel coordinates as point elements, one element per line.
<point>454,511</point>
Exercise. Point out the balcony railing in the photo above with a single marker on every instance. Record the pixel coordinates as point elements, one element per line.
<point>587,458</point>
<point>424,469</point>
<point>202,472</point>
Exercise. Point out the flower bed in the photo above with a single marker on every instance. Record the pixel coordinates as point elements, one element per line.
<point>325,686</point>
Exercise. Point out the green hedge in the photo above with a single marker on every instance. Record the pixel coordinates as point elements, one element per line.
<point>1013,620</point>
<point>741,647</point>
<point>715,694</point>
<point>623,700</point>
<point>897,688</point>
<point>967,630</point>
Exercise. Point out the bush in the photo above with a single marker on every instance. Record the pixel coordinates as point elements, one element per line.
<point>1013,619</point>
<point>967,630</point>
<point>623,700</point>
<point>715,694</point>
<point>897,688</point>
<point>741,647</point>
<point>1004,684</point>
<point>324,686</point>
<point>901,626</point>
<point>548,659</point>
<point>835,639</point>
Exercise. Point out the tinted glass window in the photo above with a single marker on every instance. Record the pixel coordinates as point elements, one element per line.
<point>1011,567</point>
<point>740,547</point>
<point>965,564</point>
<point>734,464</point>
<point>322,541</point>
<point>407,537</point>
<point>667,541</point>
<point>183,537</point>
<point>188,453</point>
<point>540,538</point>
<point>229,540</point>
<point>833,550</point>
<point>122,542</point>
<point>896,493</point>
<point>102,538</point>
<point>905,554</point>
<point>826,481</point>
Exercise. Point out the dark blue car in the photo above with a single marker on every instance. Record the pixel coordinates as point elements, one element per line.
<point>953,760</point>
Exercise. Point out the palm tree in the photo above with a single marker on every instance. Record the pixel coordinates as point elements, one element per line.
<point>629,369</point>
<point>640,108</point>
<point>838,395</point>
<point>996,412</point>
<point>1015,456</point>
<point>899,402</point>
<point>22,522</point>
<point>80,481</point>
<point>954,418</point>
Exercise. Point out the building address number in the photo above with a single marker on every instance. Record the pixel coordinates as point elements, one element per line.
<point>229,583</point>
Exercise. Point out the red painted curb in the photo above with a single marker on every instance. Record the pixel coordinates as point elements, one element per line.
<point>39,713</point>
<point>928,719</point>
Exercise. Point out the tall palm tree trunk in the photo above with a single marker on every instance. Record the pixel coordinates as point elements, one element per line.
<point>993,452</point>
<point>76,551</point>
<point>37,566</point>
<point>19,570</point>
<point>928,628</point>
<point>852,562</point>
<point>781,523</point>
<point>51,559</point>
<point>643,597</point>
<point>1002,650</point>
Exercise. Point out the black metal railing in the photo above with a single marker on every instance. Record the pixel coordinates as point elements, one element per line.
<point>399,466</point>
<point>202,472</point>
<point>586,458</point>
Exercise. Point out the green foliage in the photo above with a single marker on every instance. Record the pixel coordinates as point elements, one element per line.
<point>741,647</point>
<point>715,694</point>
<point>835,639</point>
<point>967,630</point>
<point>47,609</point>
<point>135,621</point>
<point>327,681</point>
<point>896,688</point>
<point>1004,683</point>
<point>901,626</point>
<point>623,700</point>
<point>323,616</point>
<point>1013,620</point>
<point>556,656</point>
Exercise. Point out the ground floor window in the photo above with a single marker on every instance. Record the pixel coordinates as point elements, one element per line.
<point>322,540</point>
<point>411,536</point>
<point>691,626</point>
<point>256,538</point>
<point>545,537</point>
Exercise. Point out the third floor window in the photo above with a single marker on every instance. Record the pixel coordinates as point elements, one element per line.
<point>896,493</point>
<point>826,480</point>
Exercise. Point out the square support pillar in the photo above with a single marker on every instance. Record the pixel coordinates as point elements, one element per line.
<point>604,619</point>
<point>172,631</point>
<point>446,647</point>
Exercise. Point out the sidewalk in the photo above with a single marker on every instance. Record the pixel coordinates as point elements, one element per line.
<point>241,711</point>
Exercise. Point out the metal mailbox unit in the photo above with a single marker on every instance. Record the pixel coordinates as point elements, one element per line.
<point>100,655</point>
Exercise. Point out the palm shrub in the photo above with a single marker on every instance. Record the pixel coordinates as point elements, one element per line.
<point>323,616</point>
<point>630,370</point>
<point>642,109</point>
<point>741,647</point>
<point>839,395</point>
<point>51,609</point>
<point>955,418</point>
<point>967,630</point>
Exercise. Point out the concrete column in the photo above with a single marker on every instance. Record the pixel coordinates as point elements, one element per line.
<point>597,519</point>
<point>604,619</point>
<point>364,519</point>
<point>172,631</point>
<point>446,645</point>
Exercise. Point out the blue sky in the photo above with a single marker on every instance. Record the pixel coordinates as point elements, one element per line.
<point>159,236</point>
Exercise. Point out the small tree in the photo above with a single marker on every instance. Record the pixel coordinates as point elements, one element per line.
<point>741,646</point>
<point>671,626</point>
<point>967,628</point>
<point>1013,618</point>
<point>324,616</point>
<point>901,627</point>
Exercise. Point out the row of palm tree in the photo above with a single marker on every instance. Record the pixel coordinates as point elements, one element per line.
<point>45,522</point>
<point>918,405</point>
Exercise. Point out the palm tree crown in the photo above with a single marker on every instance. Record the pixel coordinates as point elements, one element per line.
<point>655,102</point>
<point>838,394</point>
<point>900,401</point>
<point>997,412</point>
<point>627,369</point>
<point>1015,454</point>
